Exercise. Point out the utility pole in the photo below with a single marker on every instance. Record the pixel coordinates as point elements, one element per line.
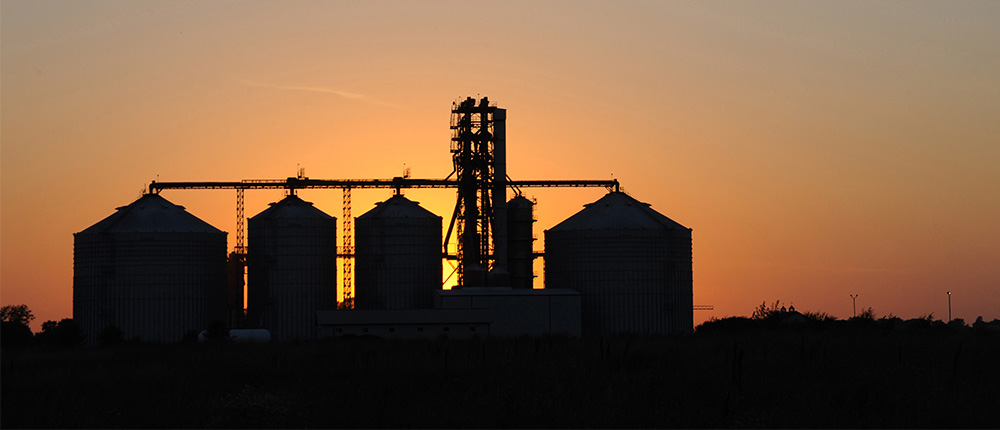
<point>854,303</point>
<point>949,306</point>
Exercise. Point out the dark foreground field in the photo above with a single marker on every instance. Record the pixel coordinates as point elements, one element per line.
<point>751,378</point>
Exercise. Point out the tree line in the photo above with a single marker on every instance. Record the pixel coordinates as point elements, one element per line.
<point>15,329</point>
<point>16,320</point>
<point>778,316</point>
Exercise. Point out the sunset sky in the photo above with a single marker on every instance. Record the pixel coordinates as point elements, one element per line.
<point>816,148</point>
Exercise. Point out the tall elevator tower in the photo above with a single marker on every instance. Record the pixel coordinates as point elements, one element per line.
<point>478,147</point>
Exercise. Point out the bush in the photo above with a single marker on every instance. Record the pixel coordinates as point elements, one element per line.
<point>65,333</point>
<point>15,334</point>
<point>14,329</point>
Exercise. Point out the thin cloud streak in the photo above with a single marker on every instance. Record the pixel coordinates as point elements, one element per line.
<point>326,90</point>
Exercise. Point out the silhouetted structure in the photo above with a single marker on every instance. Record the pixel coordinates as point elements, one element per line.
<point>398,256</point>
<point>622,266</point>
<point>291,268</point>
<point>520,242</point>
<point>479,153</point>
<point>480,168</point>
<point>152,270</point>
<point>631,265</point>
<point>465,313</point>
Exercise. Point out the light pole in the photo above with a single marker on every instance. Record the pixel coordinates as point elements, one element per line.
<point>854,303</point>
<point>949,306</point>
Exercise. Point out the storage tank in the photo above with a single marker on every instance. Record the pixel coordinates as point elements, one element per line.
<point>152,270</point>
<point>397,256</point>
<point>520,242</point>
<point>291,268</point>
<point>631,265</point>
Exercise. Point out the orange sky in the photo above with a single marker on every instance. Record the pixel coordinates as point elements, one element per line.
<point>817,149</point>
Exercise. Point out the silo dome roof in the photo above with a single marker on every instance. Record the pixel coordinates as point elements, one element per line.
<point>520,201</point>
<point>398,207</point>
<point>151,214</point>
<point>292,207</point>
<point>617,211</point>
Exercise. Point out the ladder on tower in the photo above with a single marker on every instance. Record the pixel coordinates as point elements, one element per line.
<point>348,251</point>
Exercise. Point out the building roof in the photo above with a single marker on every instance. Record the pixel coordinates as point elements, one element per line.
<point>151,213</point>
<point>292,207</point>
<point>617,211</point>
<point>398,207</point>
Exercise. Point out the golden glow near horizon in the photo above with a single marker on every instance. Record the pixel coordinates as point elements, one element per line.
<point>817,149</point>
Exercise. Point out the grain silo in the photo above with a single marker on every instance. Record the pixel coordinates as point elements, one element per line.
<point>398,256</point>
<point>152,270</point>
<point>631,265</point>
<point>291,268</point>
<point>520,242</point>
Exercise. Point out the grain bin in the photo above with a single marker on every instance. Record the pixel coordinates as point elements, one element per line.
<point>520,242</point>
<point>152,270</point>
<point>291,268</point>
<point>631,265</point>
<point>398,256</point>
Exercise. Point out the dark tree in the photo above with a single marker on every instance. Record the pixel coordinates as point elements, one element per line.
<point>867,314</point>
<point>14,334</point>
<point>65,333</point>
<point>764,312</point>
<point>14,330</point>
<point>16,314</point>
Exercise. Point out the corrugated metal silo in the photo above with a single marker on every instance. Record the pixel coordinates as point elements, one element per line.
<point>520,242</point>
<point>631,265</point>
<point>398,256</point>
<point>291,268</point>
<point>152,270</point>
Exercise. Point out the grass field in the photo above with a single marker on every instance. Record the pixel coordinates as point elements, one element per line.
<point>714,378</point>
